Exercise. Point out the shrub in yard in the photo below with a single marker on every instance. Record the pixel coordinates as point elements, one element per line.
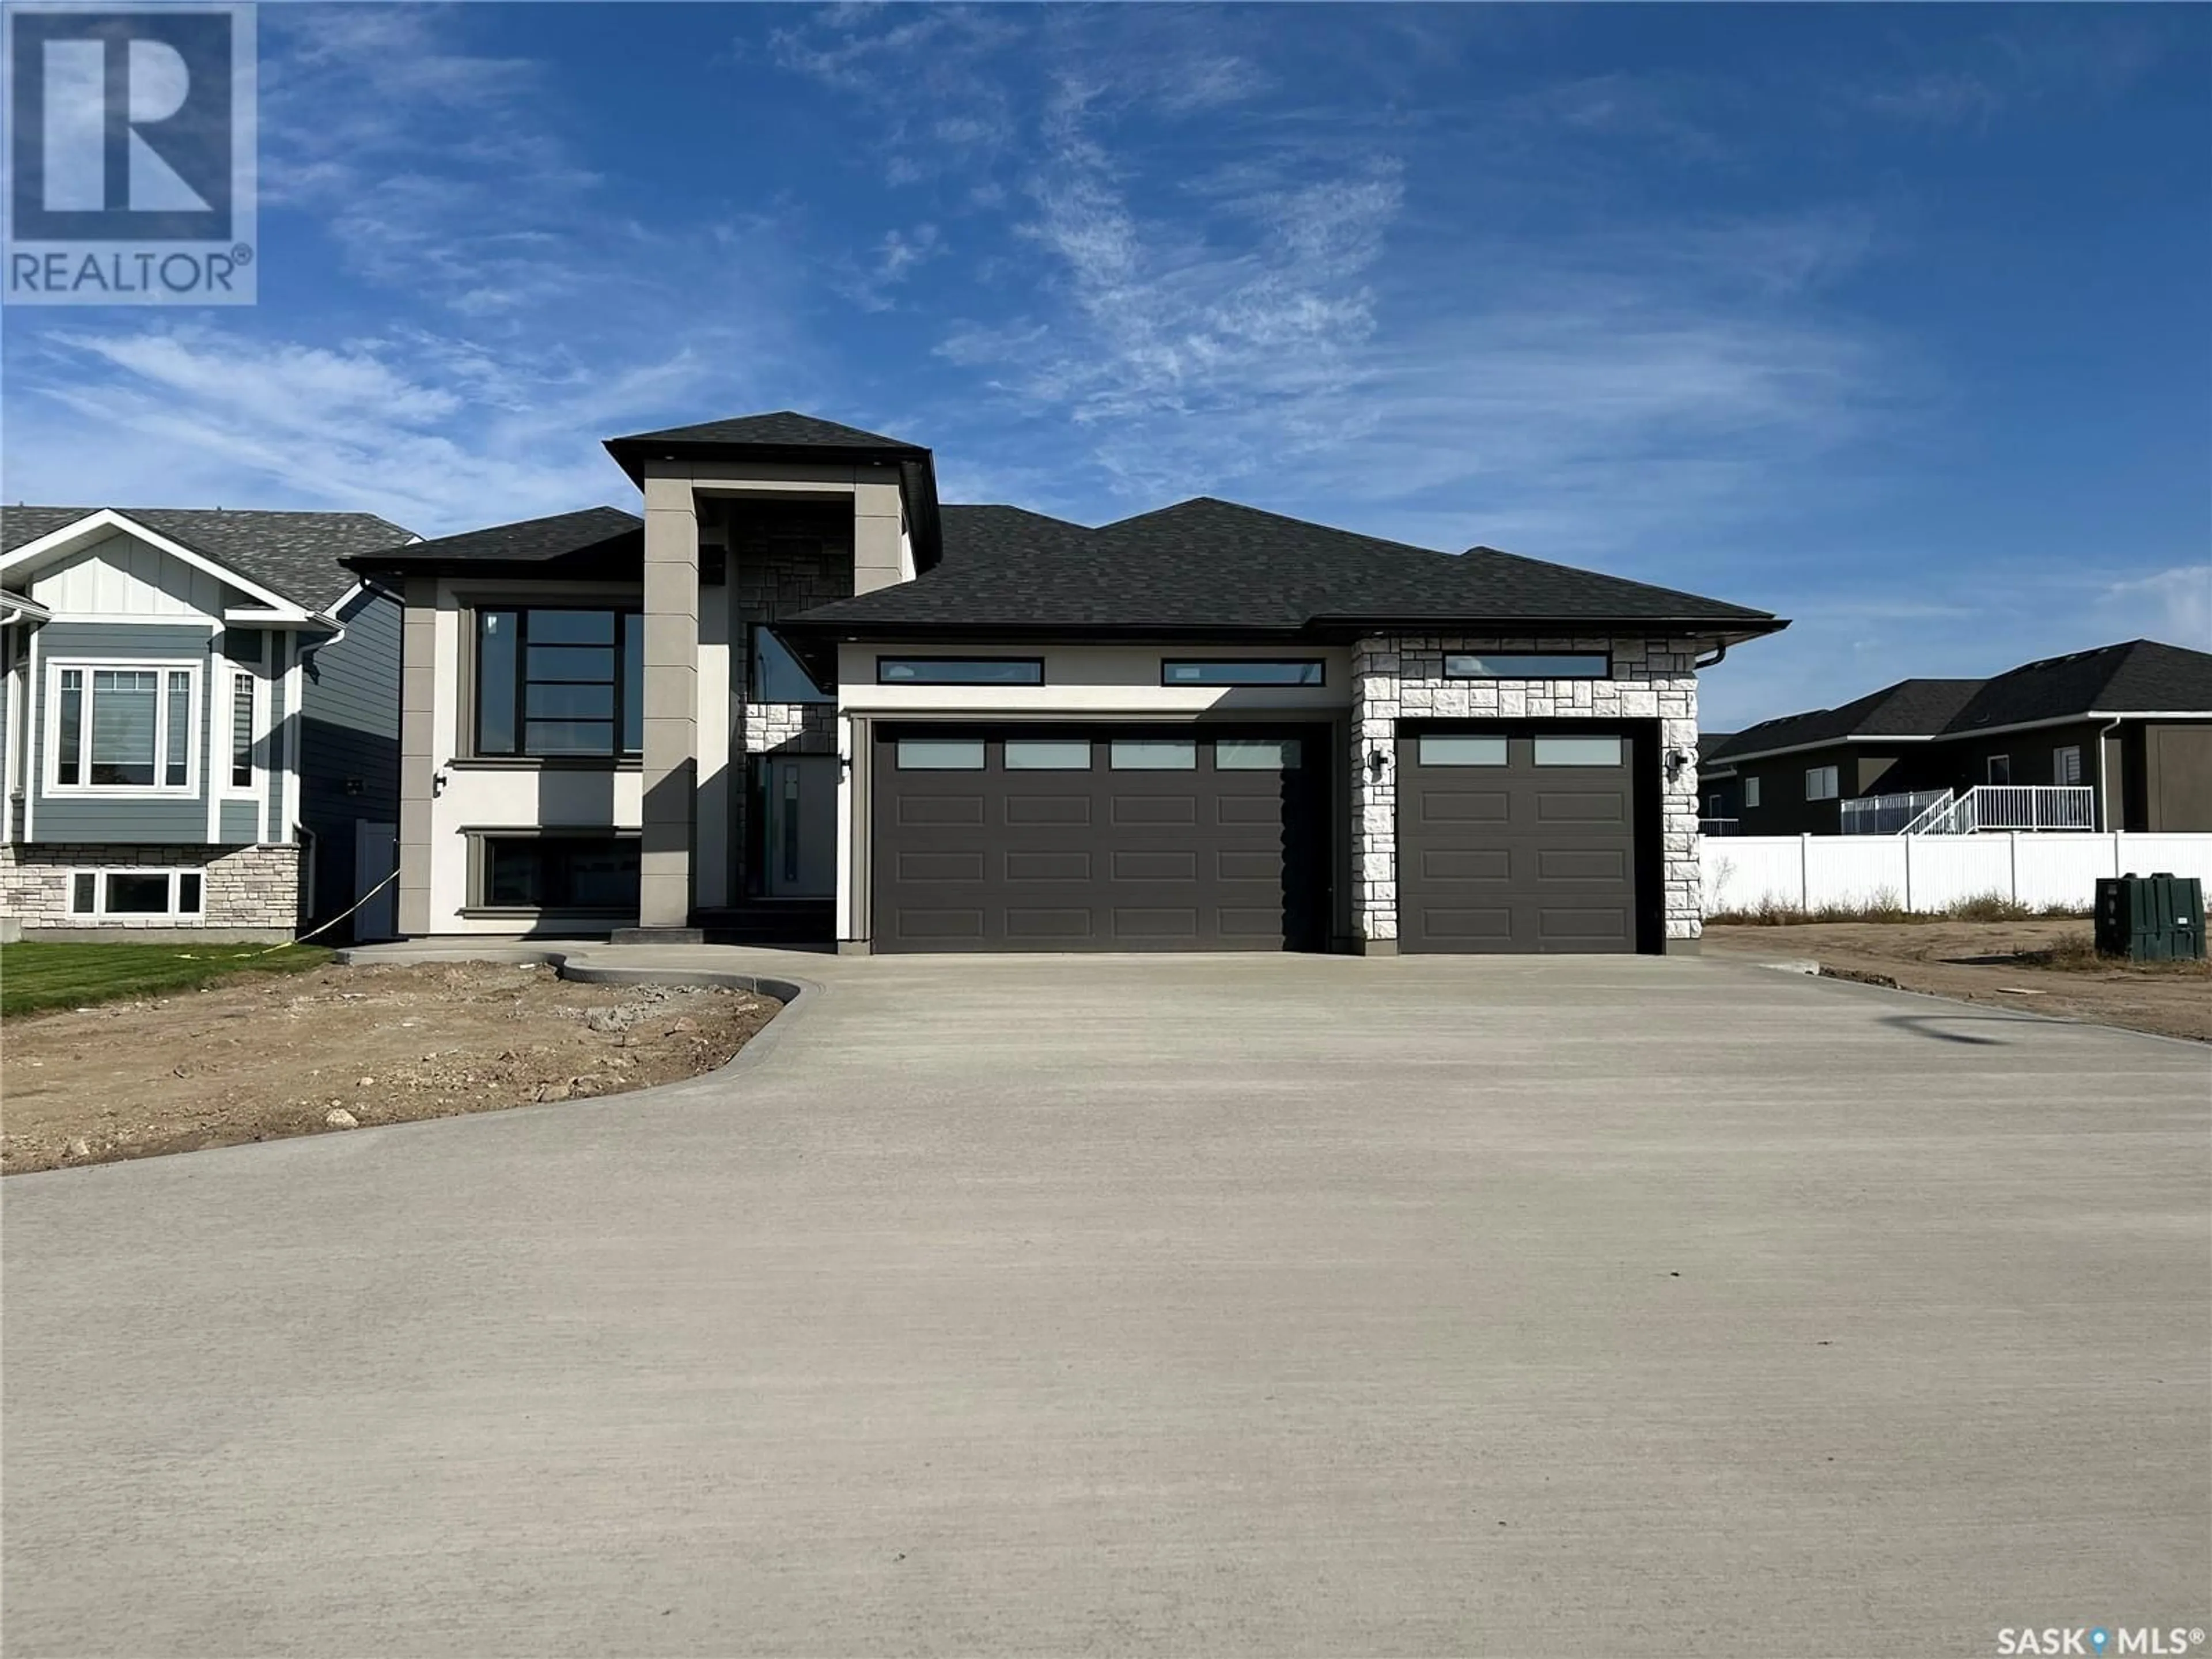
<point>1883,906</point>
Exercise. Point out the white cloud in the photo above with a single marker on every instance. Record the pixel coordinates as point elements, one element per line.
<point>2174,604</point>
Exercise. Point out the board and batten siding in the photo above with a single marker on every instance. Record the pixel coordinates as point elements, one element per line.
<point>163,819</point>
<point>123,576</point>
<point>350,742</point>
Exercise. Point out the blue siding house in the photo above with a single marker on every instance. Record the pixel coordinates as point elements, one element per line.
<point>199,722</point>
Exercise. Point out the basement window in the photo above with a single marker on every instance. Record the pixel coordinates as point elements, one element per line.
<point>102,895</point>
<point>561,872</point>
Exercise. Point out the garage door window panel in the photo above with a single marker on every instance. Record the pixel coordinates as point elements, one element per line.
<point>1047,755</point>
<point>1255,754</point>
<point>940,754</point>
<point>1154,755</point>
<point>1579,752</point>
<point>1437,750</point>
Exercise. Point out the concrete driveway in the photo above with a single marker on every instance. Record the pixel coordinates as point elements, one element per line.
<point>1261,1305</point>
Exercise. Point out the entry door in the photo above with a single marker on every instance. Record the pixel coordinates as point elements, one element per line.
<point>1517,840</point>
<point>799,856</point>
<point>376,855</point>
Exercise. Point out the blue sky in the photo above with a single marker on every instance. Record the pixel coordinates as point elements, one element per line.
<point>1893,319</point>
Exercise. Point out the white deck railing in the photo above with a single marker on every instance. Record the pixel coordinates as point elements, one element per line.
<point>1989,806</point>
<point>1885,815</point>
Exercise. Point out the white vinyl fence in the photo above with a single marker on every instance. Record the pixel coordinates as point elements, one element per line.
<point>1928,872</point>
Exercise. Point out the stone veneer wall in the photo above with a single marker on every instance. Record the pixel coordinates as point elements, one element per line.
<point>803,728</point>
<point>1403,677</point>
<point>241,887</point>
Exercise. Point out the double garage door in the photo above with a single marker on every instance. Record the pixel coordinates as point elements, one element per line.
<point>1100,839</point>
<point>1519,840</point>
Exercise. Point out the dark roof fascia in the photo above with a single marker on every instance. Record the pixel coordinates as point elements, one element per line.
<point>1734,631</point>
<point>917,473</point>
<point>598,563</point>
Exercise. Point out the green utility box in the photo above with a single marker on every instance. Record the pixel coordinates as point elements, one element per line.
<point>2157,918</point>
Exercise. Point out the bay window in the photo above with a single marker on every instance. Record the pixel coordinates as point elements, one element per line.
<point>123,728</point>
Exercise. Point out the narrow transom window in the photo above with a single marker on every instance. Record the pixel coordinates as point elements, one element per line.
<point>1234,671</point>
<point>959,671</point>
<point>1527,665</point>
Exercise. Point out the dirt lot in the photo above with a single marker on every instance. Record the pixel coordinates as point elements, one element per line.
<point>2038,967</point>
<point>254,1059</point>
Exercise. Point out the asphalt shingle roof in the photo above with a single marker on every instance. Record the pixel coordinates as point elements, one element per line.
<point>1914,708</point>
<point>529,541</point>
<point>783,428</point>
<point>1214,565</point>
<point>295,554</point>
<point>2140,677</point>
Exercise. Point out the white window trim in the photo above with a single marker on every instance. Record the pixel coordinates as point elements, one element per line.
<point>195,726</point>
<point>101,913</point>
<point>1751,791</point>
<point>2058,765</point>
<point>1835,773</point>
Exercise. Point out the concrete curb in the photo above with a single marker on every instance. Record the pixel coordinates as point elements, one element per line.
<point>798,996</point>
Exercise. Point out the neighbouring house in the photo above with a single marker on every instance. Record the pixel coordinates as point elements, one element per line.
<point>801,701</point>
<point>2119,737</point>
<point>201,722</point>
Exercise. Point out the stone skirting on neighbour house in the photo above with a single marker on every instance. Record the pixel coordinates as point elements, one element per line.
<point>1403,677</point>
<point>253,889</point>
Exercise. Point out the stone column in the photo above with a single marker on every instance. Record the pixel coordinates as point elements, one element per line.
<point>672,706</point>
<point>1374,703</point>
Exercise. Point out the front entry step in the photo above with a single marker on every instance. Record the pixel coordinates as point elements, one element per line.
<point>772,921</point>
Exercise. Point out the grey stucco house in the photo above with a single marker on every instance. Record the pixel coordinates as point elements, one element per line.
<point>799,699</point>
<point>200,721</point>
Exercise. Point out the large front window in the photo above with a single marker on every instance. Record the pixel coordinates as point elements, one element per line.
<point>561,872</point>
<point>552,682</point>
<point>124,728</point>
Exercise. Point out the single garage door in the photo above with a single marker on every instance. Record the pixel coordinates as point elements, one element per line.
<point>1098,840</point>
<point>1516,841</point>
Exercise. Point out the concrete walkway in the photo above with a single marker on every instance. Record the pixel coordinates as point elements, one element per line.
<point>1264,1305</point>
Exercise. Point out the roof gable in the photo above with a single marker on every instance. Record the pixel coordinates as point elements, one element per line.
<point>293,555</point>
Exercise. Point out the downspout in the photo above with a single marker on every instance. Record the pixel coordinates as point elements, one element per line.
<point>1719,656</point>
<point>2105,776</point>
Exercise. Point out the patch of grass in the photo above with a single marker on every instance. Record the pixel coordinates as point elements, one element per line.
<point>1883,906</point>
<point>35,976</point>
<point>2077,953</point>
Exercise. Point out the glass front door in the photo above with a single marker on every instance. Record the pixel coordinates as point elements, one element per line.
<point>799,848</point>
